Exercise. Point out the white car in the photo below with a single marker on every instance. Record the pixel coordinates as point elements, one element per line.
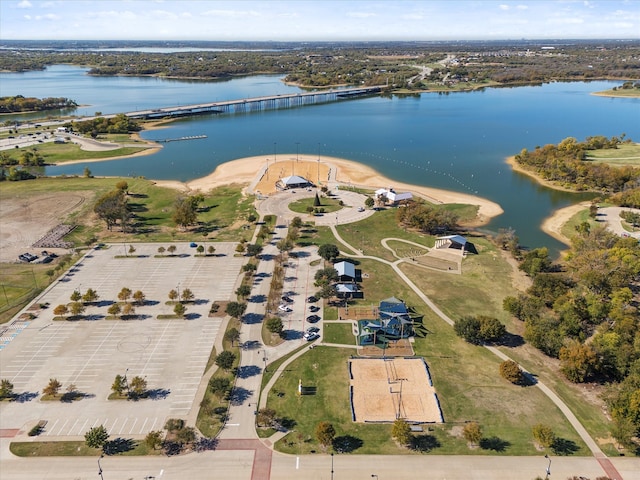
<point>284,308</point>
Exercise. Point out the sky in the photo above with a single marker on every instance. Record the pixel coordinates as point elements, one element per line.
<point>318,20</point>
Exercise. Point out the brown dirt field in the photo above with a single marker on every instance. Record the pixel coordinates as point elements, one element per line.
<point>376,391</point>
<point>25,219</point>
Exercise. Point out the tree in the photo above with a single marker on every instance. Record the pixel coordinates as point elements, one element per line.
<point>124,294</point>
<point>6,389</point>
<point>171,249</point>
<point>173,295</point>
<point>114,309</point>
<point>187,295</point>
<point>468,328</point>
<point>132,249</point>
<point>249,268</point>
<point>225,360</point>
<point>401,431</point>
<point>510,370</point>
<point>543,435</point>
<point>76,308</point>
<point>296,222</point>
<point>52,388</point>
<point>184,213</point>
<point>240,248</point>
<point>96,437</point>
<point>123,186</point>
<point>284,245</point>
<point>128,310</point>
<point>265,417</point>
<point>536,261</point>
<point>153,440</point>
<point>61,310</point>
<point>111,207</point>
<point>232,335</point>
<point>161,250</point>
<point>369,202</point>
<point>139,297</point>
<point>472,433</point>
<point>137,387</point>
<point>90,296</point>
<point>328,251</point>
<point>179,309</point>
<point>274,325</point>
<point>186,435</point>
<point>211,250</point>
<point>76,296</point>
<point>235,309</point>
<point>325,276</point>
<point>86,173</point>
<point>253,249</point>
<point>325,433</point>
<point>200,249</point>
<point>577,361</point>
<point>243,291</point>
<point>220,386</point>
<point>119,385</point>
<point>491,329</point>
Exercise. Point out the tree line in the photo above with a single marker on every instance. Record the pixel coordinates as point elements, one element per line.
<point>567,164</point>
<point>392,63</point>
<point>585,313</point>
<point>118,124</point>
<point>20,103</point>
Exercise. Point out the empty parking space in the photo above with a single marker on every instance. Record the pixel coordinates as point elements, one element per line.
<point>171,354</point>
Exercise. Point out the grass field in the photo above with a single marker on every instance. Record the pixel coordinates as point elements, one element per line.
<point>341,333</point>
<point>625,154</point>
<point>328,204</point>
<point>67,152</point>
<point>72,448</point>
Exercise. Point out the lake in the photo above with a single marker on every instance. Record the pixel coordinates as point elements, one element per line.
<point>456,141</point>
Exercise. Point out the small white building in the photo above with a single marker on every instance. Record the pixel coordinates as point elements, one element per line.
<point>294,181</point>
<point>392,196</point>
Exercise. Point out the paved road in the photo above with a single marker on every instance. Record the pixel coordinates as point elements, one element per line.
<point>611,216</point>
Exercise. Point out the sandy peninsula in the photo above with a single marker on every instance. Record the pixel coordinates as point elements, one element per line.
<point>261,173</point>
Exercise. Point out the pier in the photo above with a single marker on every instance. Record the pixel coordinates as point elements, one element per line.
<point>190,137</point>
<point>270,102</point>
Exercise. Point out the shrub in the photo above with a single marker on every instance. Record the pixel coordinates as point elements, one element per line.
<point>510,370</point>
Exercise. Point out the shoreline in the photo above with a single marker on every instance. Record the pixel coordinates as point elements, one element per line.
<point>511,161</point>
<point>254,171</point>
<point>553,225</point>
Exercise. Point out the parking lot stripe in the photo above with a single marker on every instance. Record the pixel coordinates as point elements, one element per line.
<point>123,425</point>
<point>145,422</point>
<point>82,427</point>
<point>50,430</point>
<point>135,420</point>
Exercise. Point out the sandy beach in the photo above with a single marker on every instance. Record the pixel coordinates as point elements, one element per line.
<point>261,172</point>
<point>553,224</point>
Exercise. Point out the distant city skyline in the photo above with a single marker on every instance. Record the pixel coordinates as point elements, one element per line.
<point>326,20</point>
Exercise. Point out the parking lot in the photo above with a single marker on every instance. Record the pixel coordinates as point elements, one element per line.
<point>170,354</point>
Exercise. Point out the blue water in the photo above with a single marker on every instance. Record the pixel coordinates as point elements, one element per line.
<point>457,141</point>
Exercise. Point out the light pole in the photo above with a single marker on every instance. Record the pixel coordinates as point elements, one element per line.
<point>548,467</point>
<point>332,466</point>
<point>297,150</point>
<point>100,468</point>
<point>264,359</point>
<point>267,169</point>
<point>275,157</point>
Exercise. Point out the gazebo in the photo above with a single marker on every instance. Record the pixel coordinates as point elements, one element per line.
<point>293,181</point>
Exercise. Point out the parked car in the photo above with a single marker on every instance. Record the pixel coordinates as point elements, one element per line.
<point>312,299</point>
<point>314,308</point>
<point>287,299</point>
<point>313,318</point>
<point>284,308</point>
<point>312,330</point>
<point>361,209</point>
<point>193,244</point>
<point>311,337</point>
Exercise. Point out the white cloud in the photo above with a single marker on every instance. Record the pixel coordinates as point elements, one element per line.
<point>25,4</point>
<point>522,7</point>
<point>360,14</point>
<point>49,16</point>
<point>412,16</point>
<point>231,13</point>
<point>163,14</point>
<point>503,7</point>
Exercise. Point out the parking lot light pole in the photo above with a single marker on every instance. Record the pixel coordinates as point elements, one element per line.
<point>548,467</point>
<point>264,359</point>
<point>332,466</point>
<point>100,468</point>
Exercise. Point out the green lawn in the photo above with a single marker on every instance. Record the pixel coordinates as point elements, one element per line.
<point>341,333</point>
<point>71,449</point>
<point>328,204</point>
<point>66,152</point>
<point>625,154</point>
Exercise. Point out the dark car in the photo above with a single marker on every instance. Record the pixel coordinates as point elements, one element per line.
<point>314,308</point>
<point>313,318</point>
<point>312,330</point>
<point>287,299</point>
<point>312,299</point>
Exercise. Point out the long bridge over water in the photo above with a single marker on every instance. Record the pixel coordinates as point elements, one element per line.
<point>270,102</point>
